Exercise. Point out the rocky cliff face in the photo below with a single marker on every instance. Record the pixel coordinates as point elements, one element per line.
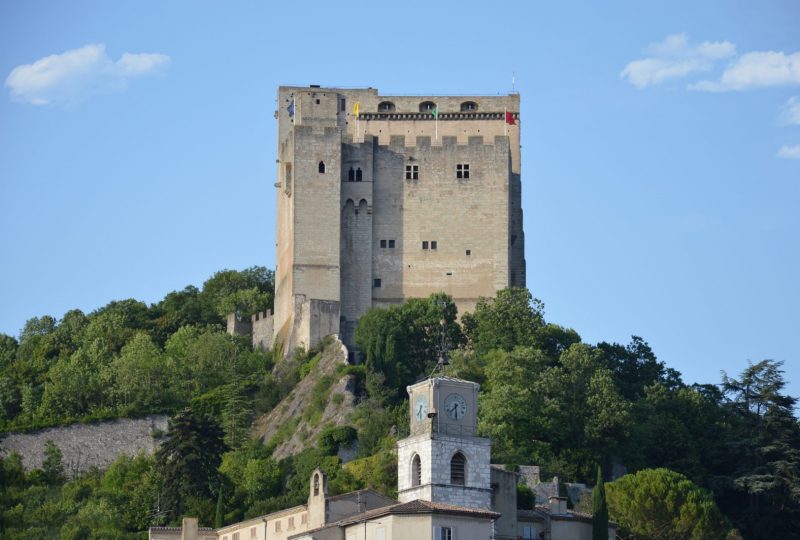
<point>322,398</point>
<point>84,446</point>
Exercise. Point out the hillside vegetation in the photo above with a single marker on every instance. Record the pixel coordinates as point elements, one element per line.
<point>730,450</point>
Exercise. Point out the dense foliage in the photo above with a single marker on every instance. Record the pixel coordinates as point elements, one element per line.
<point>729,453</point>
<point>128,359</point>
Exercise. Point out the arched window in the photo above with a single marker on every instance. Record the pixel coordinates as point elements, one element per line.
<point>321,167</point>
<point>458,469</point>
<point>351,175</point>
<point>359,178</point>
<point>469,106</point>
<point>385,106</point>
<point>427,106</point>
<point>316,485</point>
<point>416,471</point>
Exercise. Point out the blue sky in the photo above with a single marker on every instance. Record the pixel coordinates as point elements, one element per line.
<point>661,151</point>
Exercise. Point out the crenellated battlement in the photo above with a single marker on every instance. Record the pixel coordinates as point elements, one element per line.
<point>260,316</point>
<point>426,142</point>
<point>428,117</point>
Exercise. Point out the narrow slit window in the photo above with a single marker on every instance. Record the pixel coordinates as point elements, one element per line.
<point>359,176</point>
<point>321,167</point>
<point>351,175</point>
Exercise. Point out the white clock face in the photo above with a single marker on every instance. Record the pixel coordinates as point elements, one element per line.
<point>455,406</point>
<point>421,408</point>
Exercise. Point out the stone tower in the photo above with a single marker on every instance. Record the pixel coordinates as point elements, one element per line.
<point>443,460</point>
<point>384,198</point>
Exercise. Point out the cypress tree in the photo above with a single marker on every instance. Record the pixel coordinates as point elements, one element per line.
<point>220,514</point>
<point>599,509</point>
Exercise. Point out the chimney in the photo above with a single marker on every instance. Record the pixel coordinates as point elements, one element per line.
<point>189,528</point>
<point>558,505</point>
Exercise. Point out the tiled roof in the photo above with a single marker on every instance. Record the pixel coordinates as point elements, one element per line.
<point>177,529</point>
<point>421,507</point>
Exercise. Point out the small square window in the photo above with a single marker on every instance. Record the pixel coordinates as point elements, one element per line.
<point>391,244</point>
<point>462,170</point>
<point>433,244</point>
<point>412,172</point>
<point>383,243</point>
<point>424,244</point>
<point>469,252</point>
<point>376,283</point>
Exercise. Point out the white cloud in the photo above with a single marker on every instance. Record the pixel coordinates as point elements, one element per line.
<point>790,113</point>
<point>70,76</point>
<point>789,152</point>
<point>756,69</point>
<point>673,58</point>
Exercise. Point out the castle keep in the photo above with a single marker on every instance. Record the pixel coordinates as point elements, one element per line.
<point>384,198</point>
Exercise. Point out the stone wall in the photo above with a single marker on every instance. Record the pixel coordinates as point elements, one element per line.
<point>88,445</point>
<point>263,330</point>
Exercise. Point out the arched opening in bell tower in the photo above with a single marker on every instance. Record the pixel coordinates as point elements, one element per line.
<point>416,471</point>
<point>458,469</point>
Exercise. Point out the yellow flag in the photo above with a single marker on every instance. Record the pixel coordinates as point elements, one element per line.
<point>355,109</point>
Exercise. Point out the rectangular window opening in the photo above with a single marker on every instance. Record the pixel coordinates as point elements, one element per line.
<point>412,172</point>
<point>469,252</point>
<point>462,170</point>
<point>391,244</point>
<point>433,244</point>
<point>383,243</point>
<point>376,283</point>
<point>424,244</point>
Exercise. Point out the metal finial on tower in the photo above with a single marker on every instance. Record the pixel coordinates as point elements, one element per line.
<point>443,347</point>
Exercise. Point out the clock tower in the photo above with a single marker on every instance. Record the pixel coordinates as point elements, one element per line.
<point>443,460</point>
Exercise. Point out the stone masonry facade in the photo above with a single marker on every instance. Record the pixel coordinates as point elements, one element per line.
<point>435,452</point>
<point>389,202</point>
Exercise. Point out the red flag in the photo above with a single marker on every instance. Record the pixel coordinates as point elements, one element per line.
<point>510,118</point>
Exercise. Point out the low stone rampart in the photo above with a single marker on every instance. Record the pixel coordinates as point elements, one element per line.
<point>84,446</point>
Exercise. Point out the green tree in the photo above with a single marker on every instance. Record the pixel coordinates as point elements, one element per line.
<point>224,291</point>
<point>187,461</point>
<point>53,466</point>
<point>635,367</point>
<point>510,319</point>
<point>403,342</point>
<point>143,378</point>
<point>659,504</point>
<point>759,486</point>
<point>599,509</point>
